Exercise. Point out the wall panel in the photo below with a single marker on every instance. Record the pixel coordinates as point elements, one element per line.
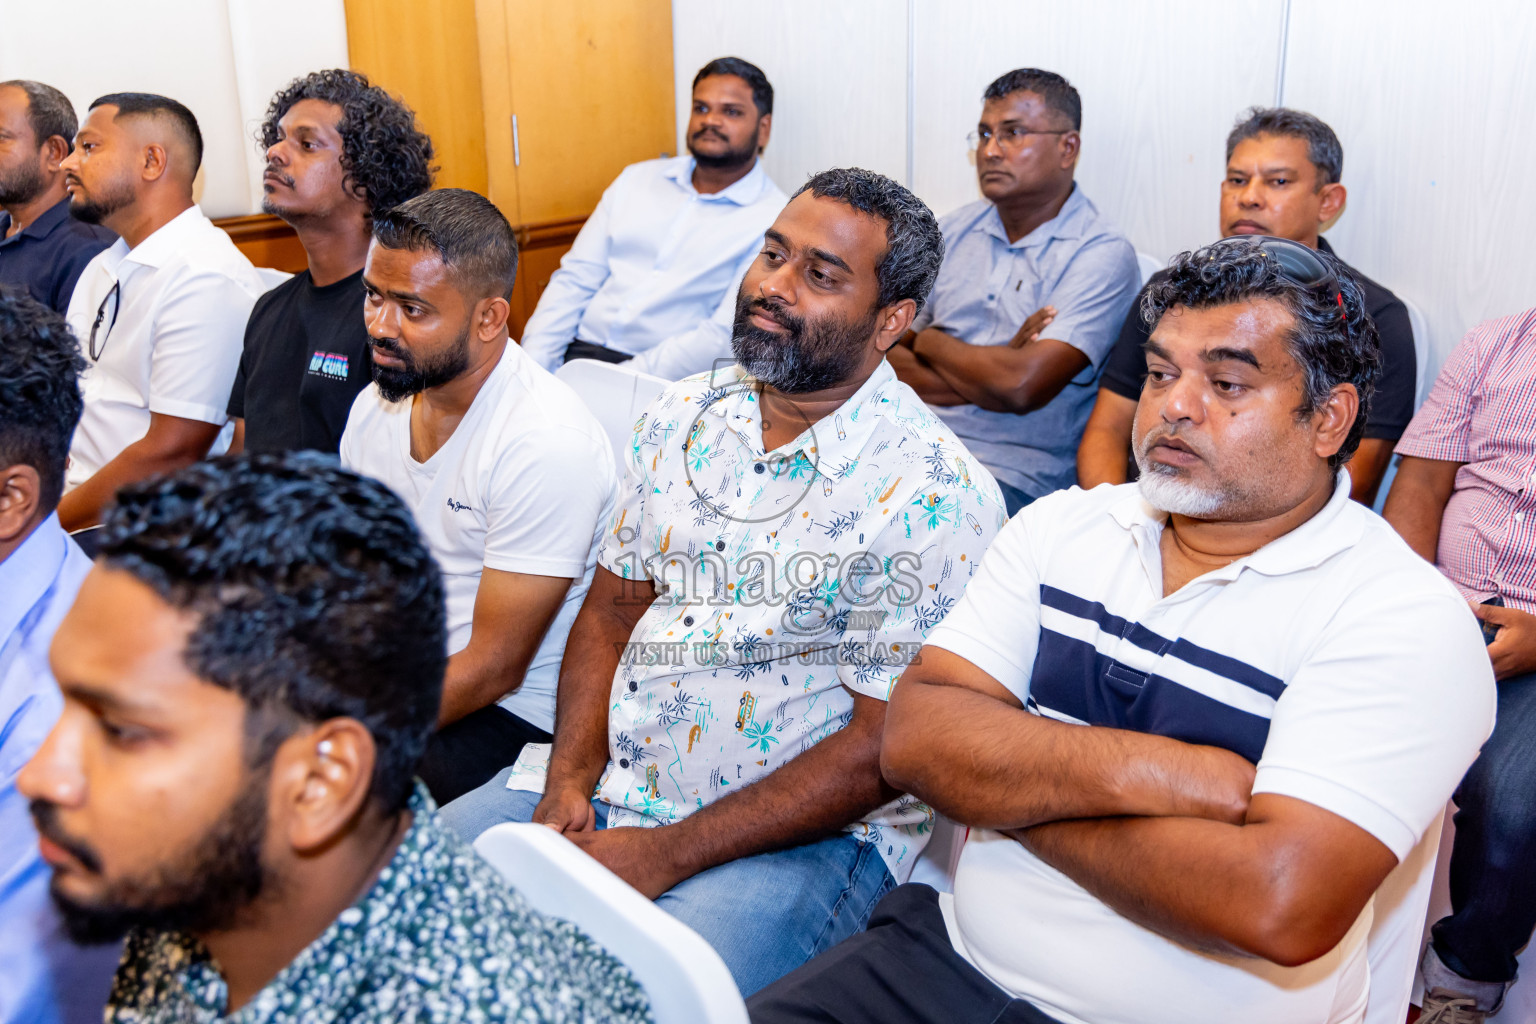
<point>839,73</point>
<point>1434,108</point>
<point>1161,83</point>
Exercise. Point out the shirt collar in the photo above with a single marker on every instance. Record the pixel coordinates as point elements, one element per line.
<point>842,432</point>
<point>42,226</point>
<point>1068,222</point>
<point>406,888</point>
<point>1332,530</point>
<point>30,572</point>
<point>743,192</point>
<point>166,241</point>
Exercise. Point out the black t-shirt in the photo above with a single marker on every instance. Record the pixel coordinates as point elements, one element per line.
<point>1391,405</point>
<point>306,357</point>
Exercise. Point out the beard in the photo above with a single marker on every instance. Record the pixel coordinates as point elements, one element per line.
<point>204,889</point>
<point>807,357</point>
<point>21,184</point>
<point>728,160</point>
<point>416,375</point>
<point>1164,488</point>
<point>95,209</point>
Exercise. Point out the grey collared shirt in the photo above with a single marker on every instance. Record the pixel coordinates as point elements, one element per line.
<point>1078,262</point>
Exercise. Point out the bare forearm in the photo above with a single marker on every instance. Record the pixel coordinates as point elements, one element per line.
<point>1253,889</point>
<point>83,506</point>
<point>1366,468</point>
<point>986,764</point>
<point>922,378</point>
<point>972,371</point>
<point>1420,492</point>
<point>1103,457</point>
<point>834,783</point>
<point>475,681</point>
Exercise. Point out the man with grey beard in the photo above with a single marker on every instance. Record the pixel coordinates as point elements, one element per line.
<point>789,529</point>
<point>1193,722</point>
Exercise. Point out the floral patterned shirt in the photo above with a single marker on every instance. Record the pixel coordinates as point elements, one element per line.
<point>786,579</point>
<point>439,937</point>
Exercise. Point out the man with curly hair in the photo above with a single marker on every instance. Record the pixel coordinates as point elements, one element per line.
<point>338,149</point>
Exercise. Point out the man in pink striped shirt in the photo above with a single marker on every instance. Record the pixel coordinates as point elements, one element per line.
<point>1465,498</point>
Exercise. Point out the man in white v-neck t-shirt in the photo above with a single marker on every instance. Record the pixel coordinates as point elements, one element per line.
<point>508,474</point>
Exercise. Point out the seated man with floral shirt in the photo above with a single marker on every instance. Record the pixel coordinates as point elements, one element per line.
<point>790,529</point>
<point>250,673</point>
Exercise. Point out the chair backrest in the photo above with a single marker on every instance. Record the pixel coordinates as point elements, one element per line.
<point>616,395</point>
<point>685,978</point>
<point>1427,363</point>
<point>1149,265</point>
<point>271,277</point>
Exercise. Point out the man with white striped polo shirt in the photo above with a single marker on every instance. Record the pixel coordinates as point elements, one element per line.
<point>1095,703</point>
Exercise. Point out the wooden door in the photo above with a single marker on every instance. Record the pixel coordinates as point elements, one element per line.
<point>590,84</point>
<point>427,53</point>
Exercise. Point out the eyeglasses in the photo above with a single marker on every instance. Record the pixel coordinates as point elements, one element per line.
<point>1010,138</point>
<point>1301,265</point>
<point>116,292</point>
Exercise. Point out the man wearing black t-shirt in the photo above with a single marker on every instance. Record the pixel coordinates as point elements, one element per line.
<point>1283,169</point>
<point>337,148</point>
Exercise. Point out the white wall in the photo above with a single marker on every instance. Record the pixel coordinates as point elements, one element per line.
<point>222,58</point>
<point>1433,106</point>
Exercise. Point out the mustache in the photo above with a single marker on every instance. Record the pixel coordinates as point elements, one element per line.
<point>709,132</point>
<point>779,316</point>
<point>286,179</point>
<point>1159,434</point>
<point>45,816</point>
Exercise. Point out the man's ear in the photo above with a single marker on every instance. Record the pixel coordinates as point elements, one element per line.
<point>764,129</point>
<point>155,162</point>
<point>321,779</point>
<point>894,321</point>
<point>1071,146</point>
<point>1331,200</point>
<point>491,317</point>
<point>20,491</point>
<point>55,149</point>
<point>1334,419</point>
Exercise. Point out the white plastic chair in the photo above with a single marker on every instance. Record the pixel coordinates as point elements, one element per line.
<point>1149,265</point>
<point>272,277</point>
<point>684,977</point>
<point>616,395</point>
<point>1427,363</point>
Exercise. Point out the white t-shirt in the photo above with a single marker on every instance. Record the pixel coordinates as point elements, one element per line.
<point>169,340</point>
<point>525,484</point>
<point>1337,659</point>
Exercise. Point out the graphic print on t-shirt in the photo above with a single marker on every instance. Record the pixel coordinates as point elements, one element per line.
<point>328,364</point>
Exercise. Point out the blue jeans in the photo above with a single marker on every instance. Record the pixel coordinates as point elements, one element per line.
<point>765,915</point>
<point>1013,498</point>
<point>1493,861</point>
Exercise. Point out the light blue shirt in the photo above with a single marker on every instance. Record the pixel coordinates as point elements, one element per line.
<point>43,978</point>
<point>655,270</point>
<point>1078,262</point>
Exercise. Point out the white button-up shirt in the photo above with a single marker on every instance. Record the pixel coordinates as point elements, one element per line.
<point>169,339</point>
<point>787,580</point>
<point>655,269</point>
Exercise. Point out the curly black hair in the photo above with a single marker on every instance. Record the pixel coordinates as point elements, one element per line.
<point>1333,344</point>
<point>315,596</point>
<point>40,403</point>
<point>384,153</point>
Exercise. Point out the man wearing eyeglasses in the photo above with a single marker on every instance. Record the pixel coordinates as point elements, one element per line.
<point>160,315</point>
<point>1034,286</point>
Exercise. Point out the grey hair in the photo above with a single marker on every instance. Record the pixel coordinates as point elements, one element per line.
<point>49,112</point>
<point>914,245</point>
<point>1333,346</point>
<point>1058,93</point>
<point>1323,147</point>
<point>466,231</point>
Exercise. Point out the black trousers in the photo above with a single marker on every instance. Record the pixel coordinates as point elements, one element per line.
<point>468,754</point>
<point>900,970</point>
<point>587,350</point>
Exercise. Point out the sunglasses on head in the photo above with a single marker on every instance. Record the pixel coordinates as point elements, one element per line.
<point>1301,265</point>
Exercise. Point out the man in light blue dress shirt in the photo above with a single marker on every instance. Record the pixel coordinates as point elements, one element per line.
<point>1015,387</point>
<point>43,978</point>
<point>653,275</point>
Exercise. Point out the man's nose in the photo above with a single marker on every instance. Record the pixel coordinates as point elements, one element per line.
<point>54,774</point>
<point>1184,399</point>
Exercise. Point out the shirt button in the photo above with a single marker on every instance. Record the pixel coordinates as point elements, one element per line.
<point>1519,517</point>
<point>633,686</point>
<point>719,545</point>
<point>687,620</point>
<point>758,468</point>
<point>623,762</point>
